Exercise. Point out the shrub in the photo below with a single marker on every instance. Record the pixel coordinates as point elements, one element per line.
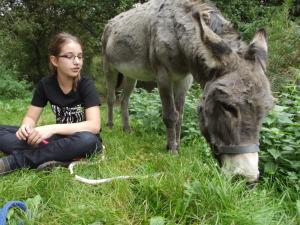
<point>248,16</point>
<point>96,70</point>
<point>10,87</point>
<point>280,137</point>
<point>283,33</point>
<point>284,42</point>
<point>145,109</point>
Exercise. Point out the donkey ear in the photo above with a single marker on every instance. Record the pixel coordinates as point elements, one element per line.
<point>216,49</point>
<point>258,48</point>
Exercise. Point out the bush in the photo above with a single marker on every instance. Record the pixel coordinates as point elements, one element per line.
<point>10,88</point>
<point>145,109</point>
<point>283,33</point>
<point>248,16</point>
<point>280,137</point>
<point>284,42</point>
<point>96,70</point>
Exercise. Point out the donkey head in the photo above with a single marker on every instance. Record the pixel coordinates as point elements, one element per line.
<point>236,98</point>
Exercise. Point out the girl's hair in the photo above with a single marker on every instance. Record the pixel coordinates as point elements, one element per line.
<point>55,46</point>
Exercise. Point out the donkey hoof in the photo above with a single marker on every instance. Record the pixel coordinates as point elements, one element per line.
<point>110,125</point>
<point>173,152</point>
<point>127,129</point>
<point>171,148</point>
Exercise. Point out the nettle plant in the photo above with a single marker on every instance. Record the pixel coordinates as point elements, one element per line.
<point>145,110</point>
<point>280,135</point>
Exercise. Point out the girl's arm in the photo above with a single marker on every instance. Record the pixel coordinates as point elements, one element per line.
<point>92,124</point>
<point>29,122</point>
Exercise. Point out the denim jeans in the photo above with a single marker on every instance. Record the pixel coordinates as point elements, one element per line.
<point>59,148</point>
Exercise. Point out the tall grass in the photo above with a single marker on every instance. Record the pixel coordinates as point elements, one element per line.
<point>284,46</point>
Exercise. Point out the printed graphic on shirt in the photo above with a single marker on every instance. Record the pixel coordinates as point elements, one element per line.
<point>69,114</point>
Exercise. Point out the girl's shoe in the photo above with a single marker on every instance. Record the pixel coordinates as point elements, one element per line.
<point>51,164</point>
<point>6,165</point>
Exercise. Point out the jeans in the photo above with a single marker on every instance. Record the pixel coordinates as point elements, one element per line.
<point>59,148</point>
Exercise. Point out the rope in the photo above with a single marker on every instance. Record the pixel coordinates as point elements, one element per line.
<point>103,180</point>
<point>7,206</point>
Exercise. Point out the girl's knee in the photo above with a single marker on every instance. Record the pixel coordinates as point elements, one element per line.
<point>10,142</point>
<point>87,136</point>
<point>89,140</point>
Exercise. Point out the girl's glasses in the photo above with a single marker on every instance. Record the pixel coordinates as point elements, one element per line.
<point>72,57</point>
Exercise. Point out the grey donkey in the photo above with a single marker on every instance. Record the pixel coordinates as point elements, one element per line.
<point>177,41</point>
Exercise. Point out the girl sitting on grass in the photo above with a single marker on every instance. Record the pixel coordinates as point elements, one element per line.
<point>75,102</point>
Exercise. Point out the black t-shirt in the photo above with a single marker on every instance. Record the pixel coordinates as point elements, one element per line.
<point>70,107</point>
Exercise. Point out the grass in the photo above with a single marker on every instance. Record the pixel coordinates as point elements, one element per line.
<point>189,189</point>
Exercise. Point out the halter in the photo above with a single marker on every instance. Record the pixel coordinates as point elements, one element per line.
<point>236,149</point>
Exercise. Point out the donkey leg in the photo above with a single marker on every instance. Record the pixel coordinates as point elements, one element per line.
<point>127,90</point>
<point>170,115</point>
<point>111,82</point>
<point>180,90</point>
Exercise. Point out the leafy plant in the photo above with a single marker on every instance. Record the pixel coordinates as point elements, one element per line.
<point>145,109</point>
<point>280,137</point>
<point>10,87</point>
<point>283,32</point>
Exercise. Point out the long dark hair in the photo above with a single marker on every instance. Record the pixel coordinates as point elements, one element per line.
<point>55,46</point>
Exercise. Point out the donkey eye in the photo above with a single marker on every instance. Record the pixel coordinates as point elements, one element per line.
<point>229,108</point>
<point>200,108</point>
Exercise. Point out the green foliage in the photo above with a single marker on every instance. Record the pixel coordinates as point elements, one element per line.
<point>284,34</point>
<point>190,125</point>
<point>280,137</point>
<point>27,26</point>
<point>284,47</point>
<point>145,109</point>
<point>96,70</point>
<point>248,16</point>
<point>10,87</point>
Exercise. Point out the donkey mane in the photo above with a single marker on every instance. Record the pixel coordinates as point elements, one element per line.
<point>211,15</point>
<point>214,19</point>
<point>190,42</point>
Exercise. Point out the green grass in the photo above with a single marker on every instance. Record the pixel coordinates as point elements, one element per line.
<point>189,189</point>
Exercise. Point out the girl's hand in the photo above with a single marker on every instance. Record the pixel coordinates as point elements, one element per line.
<point>24,132</point>
<point>39,134</point>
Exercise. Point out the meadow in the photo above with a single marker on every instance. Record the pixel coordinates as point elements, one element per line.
<point>184,189</point>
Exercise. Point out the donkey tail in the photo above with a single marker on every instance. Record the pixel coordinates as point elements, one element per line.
<point>104,39</point>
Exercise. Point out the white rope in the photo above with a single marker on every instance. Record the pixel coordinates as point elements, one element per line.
<point>103,180</point>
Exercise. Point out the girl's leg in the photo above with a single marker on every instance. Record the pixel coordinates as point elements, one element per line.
<point>9,141</point>
<point>59,148</point>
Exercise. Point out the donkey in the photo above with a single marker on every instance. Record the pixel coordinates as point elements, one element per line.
<point>177,41</point>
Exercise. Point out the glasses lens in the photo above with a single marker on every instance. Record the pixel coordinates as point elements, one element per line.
<point>71,56</point>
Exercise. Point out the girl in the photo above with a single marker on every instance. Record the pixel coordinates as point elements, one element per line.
<point>75,102</point>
